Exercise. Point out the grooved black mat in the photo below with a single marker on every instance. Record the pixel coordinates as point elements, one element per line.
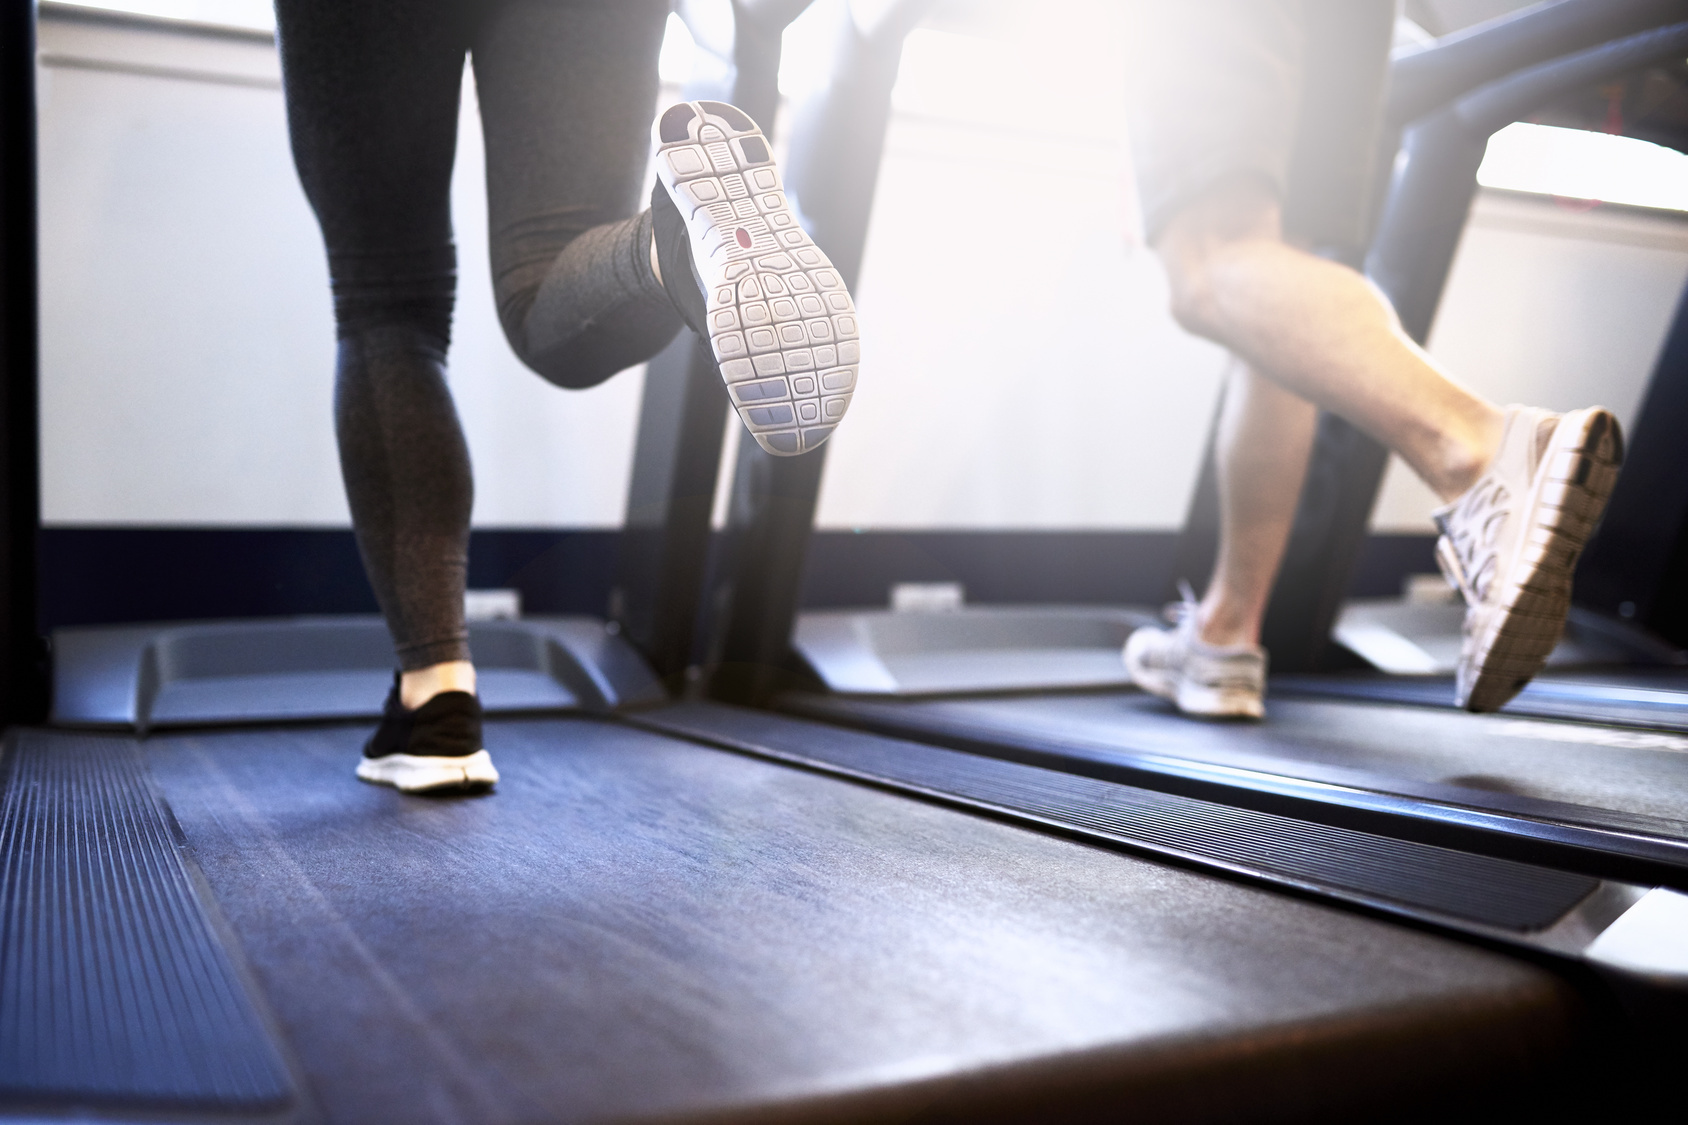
<point>635,926</point>
<point>1461,885</point>
<point>114,987</point>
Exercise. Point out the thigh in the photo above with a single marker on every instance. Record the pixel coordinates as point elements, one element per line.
<point>567,92</point>
<point>1215,89</point>
<point>372,92</point>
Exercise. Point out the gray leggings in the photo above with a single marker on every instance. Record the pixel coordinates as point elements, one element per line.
<point>566,90</point>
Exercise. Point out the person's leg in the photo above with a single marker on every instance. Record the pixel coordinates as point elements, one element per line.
<point>1264,438</point>
<point>566,95</point>
<point>1321,331</point>
<point>586,287</point>
<point>1220,85</point>
<point>372,91</point>
<point>1523,487</point>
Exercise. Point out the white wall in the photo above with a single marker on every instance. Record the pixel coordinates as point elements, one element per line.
<point>187,339</point>
<point>1551,305</point>
<point>1019,368</point>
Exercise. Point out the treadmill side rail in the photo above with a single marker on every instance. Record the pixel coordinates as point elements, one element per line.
<point>1619,927</point>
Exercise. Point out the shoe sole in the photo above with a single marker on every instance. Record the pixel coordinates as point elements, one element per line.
<point>780,320</point>
<point>411,773</point>
<point>1563,507</point>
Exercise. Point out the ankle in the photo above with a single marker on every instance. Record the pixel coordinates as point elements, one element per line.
<point>419,685</point>
<point>1464,458</point>
<point>1223,626</point>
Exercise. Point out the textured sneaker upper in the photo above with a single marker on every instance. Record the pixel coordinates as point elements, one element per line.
<point>446,726</point>
<point>1481,535</point>
<point>1511,543</point>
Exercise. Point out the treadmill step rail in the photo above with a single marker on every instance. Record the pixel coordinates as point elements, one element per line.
<point>307,669</point>
<point>1635,930</point>
<point>1603,842</point>
<point>115,986</point>
<point>969,649</point>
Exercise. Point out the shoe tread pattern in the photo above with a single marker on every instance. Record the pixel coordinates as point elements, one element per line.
<point>781,323</point>
<point>1507,647</point>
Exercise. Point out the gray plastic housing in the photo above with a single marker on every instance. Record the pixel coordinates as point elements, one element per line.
<point>973,649</point>
<point>316,668</point>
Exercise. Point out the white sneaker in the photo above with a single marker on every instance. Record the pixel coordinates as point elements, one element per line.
<point>1512,541</point>
<point>776,313</point>
<point>1201,679</point>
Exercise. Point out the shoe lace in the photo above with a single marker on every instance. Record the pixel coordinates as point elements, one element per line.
<point>1184,609</point>
<point>1472,529</point>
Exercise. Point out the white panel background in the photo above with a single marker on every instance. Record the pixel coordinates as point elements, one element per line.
<point>187,337</point>
<point>1019,370</point>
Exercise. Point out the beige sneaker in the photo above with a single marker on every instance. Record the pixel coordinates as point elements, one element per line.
<point>1511,543</point>
<point>1201,679</point>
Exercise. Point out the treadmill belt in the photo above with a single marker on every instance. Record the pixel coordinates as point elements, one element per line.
<point>1644,698</point>
<point>635,926</point>
<point>114,984</point>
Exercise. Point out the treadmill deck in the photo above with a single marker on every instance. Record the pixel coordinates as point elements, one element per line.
<point>638,926</point>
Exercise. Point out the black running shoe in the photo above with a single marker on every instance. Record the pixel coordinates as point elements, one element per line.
<point>433,749</point>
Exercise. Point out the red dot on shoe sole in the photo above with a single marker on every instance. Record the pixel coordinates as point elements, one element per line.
<point>743,237</point>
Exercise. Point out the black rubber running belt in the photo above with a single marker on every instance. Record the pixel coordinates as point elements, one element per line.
<point>114,984</point>
<point>1489,891</point>
<point>1643,705</point>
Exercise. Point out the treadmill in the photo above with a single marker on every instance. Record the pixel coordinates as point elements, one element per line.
<point>1598,777</point>
<point>699,911</point>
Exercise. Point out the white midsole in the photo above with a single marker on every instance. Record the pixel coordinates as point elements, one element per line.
<point>413,773</point>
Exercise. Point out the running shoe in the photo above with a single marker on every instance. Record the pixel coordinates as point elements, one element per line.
<point>1215,681</point>
<point>1511,542</point>
<point>433,749</point>
<point>773,308</point>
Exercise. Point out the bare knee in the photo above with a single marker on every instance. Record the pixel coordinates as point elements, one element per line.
<point>1196,240</point>
<point>1191,297</point>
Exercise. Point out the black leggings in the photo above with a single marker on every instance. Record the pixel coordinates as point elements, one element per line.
<point>566,90</point>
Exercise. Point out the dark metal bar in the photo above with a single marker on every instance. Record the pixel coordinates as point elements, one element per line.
<point>1426,80</point>
<point>665,541</point>
<point>837,142</point>
<point>1420,229</point>
<point>23,655</point>
<point>1327,206</point>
